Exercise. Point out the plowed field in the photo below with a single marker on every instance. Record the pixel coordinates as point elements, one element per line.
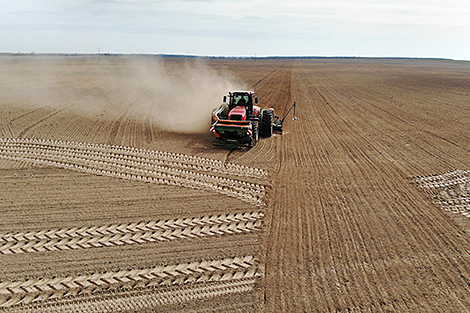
<point>362,205</point>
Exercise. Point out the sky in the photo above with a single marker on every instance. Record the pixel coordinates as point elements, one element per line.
<point>360,28</point>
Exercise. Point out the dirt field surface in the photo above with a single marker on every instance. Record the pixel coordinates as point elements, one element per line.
<point>362,205</point>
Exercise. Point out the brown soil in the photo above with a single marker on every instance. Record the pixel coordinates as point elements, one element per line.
<point>353,221</point>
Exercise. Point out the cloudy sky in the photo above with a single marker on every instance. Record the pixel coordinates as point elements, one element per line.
<point>402,28</point>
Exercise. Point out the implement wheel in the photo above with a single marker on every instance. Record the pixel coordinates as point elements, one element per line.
<point>254,134</point>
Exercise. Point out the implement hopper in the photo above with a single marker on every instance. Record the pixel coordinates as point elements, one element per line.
<point>232,133</point>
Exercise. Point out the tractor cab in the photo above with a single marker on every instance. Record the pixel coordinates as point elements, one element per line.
<point>240,104</point>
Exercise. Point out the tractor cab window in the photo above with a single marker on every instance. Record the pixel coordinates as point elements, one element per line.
<point>241,100</point>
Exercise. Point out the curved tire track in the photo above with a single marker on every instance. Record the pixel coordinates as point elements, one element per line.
<point>450,190</point>
<point>139,164</point>
<point>176,160</point>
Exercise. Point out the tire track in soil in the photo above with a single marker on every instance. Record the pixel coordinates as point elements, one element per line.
<point>138,300</point>
<point>128,234</point>
<point>450,190</point>
<point>119,161</point>
<point>13,293</point>
<point>104,162</point>
<point>134,154</point>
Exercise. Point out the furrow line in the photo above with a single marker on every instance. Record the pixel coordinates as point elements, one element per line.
<point>38,290</point>
<point>139,299</point>
<point>126,238</point>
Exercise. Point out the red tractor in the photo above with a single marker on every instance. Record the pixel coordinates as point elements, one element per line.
<point>239,122</point>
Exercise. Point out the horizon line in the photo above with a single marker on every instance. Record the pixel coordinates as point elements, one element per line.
<point>176,55</point>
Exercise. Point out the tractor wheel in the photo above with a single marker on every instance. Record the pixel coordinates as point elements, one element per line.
<point>266,129</point>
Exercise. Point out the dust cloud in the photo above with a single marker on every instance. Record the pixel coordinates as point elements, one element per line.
<point>174,94</point>
<point>183,94</point>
